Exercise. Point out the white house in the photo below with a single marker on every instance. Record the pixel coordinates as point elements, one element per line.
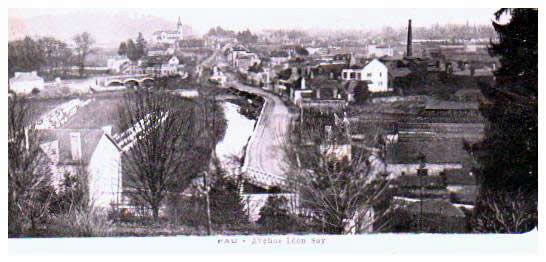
<point>380,51</point>
<point>279,57</point>
<point>375,73</point>
<point>92,150</point>
<point>25,82</point>
<point>166,66</point>
<point>171,66</point>
<point>118,64</point>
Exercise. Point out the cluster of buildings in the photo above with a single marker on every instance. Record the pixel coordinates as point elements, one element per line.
<point>248,64</point>
<point>422,146</point>
<point>161,58</point>
<point>157,65</point>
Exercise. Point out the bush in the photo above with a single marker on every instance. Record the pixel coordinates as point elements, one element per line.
<point>35,91</point>
<point>80,223</point>
<point>274,218</point>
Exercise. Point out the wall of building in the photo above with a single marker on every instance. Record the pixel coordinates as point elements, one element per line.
<point>395,170</point>
<point>26,87</point>
<point>105,174</point>
<point>377,73</point>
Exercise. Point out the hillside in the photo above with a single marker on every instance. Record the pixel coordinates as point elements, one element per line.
<point>108,29</point>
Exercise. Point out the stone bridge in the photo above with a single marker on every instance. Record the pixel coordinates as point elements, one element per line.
<point>126,80</point>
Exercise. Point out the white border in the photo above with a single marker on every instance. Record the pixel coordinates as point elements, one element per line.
<point>370,244</point>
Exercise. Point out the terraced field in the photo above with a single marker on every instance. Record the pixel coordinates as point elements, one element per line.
<point>101,112</point>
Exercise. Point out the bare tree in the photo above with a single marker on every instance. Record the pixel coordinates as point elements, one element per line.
<point>28,174</point>
<point>340,183</point>
<point>84,43</point>
<point>165,151</point>
<point>505,212</point>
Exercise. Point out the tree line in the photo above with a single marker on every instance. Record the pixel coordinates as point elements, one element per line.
<point>437,31</point>
<point>245,36</point>
<point>134,50</point>
<point>48,55</point>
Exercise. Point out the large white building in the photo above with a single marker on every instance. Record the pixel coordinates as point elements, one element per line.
<point>375,73</point>
<point>380,51</point>
<point>90,152</point>
<point>169,36</point>
<point>25,82</point>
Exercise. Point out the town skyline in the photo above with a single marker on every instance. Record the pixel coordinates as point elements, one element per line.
<point>198,122</point>
<point>260,19</point>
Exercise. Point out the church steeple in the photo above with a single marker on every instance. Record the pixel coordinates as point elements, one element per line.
<point>179,25</point>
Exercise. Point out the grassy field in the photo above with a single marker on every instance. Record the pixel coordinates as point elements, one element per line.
<point>101,112</point>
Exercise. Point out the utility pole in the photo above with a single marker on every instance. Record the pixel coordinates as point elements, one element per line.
<point>207,202</point>
<point>421,172</point>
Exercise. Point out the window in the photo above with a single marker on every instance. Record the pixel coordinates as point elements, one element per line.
<point>352,75</point>
<point>380,74</point>
<point>345,75</point>
<point>369,75</point>
<point>380,83</point>
<point>358,76</point>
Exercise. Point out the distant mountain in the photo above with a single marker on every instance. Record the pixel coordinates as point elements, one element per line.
<point>107,29</point>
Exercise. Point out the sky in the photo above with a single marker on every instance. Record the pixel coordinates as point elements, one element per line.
<point>266,18</point>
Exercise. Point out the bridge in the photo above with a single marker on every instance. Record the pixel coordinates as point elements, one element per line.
<point>127,80</point>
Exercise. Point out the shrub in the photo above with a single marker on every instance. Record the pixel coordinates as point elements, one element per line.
<point>274,218</point>
<point>81,223</point>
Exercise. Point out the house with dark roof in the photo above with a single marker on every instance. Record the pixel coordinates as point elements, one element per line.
<point>454,185</point>
<point>470,95</point>
<point>430,215</point>
<point>90,152</point>
<point>416,187</point>
<point>356,91</point>
<point>406,155</point>
<point>330,70</point>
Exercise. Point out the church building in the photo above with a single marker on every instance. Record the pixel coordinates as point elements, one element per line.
<point>168,37</point>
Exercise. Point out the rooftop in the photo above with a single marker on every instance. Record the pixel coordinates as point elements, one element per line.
<point>451,105</point>
<point>414,181</point>
<point>459,177</point>
<point>89,140</point>
<point>442,208</point>
<point>436,151</point>
<point>26,76</point>
<point>278,53</point>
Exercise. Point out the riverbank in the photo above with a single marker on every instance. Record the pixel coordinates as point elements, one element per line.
<point>238,131</point>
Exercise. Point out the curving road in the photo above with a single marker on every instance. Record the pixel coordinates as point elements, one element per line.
<point>265,153</point>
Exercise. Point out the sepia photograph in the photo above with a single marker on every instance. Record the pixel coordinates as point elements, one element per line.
<point>271,126</point>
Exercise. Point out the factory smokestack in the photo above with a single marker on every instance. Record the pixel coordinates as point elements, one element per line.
<point>409,53</point>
